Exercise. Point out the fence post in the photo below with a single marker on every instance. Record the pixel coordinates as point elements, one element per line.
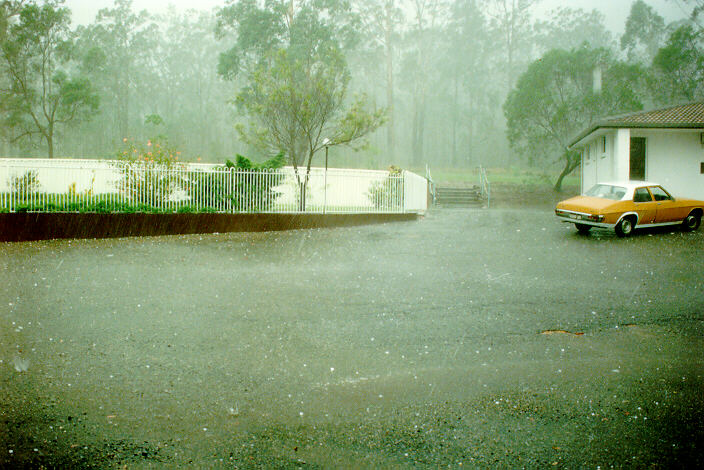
<point>9,182</point>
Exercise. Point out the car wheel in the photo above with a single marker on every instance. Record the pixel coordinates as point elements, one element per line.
<point>583,229</point>
<point>624,227</point>
<point>692,222</point>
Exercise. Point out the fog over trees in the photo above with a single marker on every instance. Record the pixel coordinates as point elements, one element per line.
<point>448,83</point>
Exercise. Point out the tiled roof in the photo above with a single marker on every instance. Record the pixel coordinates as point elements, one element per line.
<point>691,114</point>
<point>685,116</point>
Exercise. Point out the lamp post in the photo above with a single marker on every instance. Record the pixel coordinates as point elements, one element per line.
<point>326,143</point>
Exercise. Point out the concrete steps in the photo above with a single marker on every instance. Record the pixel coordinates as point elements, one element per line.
<point>470,196</point>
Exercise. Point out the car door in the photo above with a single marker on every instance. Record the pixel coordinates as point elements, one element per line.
<point>666,207</point>
<point>644,205</point>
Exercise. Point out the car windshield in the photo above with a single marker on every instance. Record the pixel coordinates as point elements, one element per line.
<point>606,191</point>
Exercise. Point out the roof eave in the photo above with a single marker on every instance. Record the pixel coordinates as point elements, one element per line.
<point>630,125</point>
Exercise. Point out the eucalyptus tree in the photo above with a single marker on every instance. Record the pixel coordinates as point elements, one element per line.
<point>423,41</point>
<point>644,33</point>
<point>43,92</point>
<point>290,54</point>
<point>8,10</point>
<point>187,91</point>
<point>474,95</point>
<point>567,28</point>
<point>117,51</point>
<point>697,15</point>
<point>381,29</point>
<point>555,98</point>
<point>677,72</point>
<point>513,21</point>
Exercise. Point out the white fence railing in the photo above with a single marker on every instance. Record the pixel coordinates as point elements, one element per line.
<point>117,186</point>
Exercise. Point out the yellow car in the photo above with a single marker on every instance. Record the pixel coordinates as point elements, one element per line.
<point>623,206</point>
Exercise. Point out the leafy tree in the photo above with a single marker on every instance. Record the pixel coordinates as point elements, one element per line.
<point>43,93</point>
<point>678,68</point>
<point>567,28</point>
<point>301,27</point>
<point>190,98</point>
<point>8,10</point>
<point>297,79</point>
<point>473,94</point>
<point>299,107</point>
<point>381,23</point>
<point>697,14</point>
<point>644,33</point>
<point>424,39</point>
<point>117,52</point>
<point>555,98</point>
<point>511,18</point>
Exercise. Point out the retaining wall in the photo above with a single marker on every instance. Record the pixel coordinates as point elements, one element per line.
<point>45,226</point>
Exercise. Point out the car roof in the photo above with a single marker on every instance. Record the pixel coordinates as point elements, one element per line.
<point>629,184</point>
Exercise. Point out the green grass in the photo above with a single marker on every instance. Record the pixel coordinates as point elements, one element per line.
<point>470,176</point>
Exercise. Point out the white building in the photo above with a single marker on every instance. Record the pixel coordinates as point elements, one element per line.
<point>665,146</point>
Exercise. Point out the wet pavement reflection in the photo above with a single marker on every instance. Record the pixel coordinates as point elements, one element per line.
<point>479,338</point>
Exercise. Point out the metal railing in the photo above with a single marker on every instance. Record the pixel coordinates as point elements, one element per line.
<point>115,186</point>
<point>432,188</point>
<point>485,186</point>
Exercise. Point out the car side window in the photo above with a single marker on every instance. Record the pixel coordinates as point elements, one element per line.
<point>659,194</point>
<point>641,195</point>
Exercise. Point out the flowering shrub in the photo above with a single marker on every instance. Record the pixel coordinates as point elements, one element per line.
<point>146,175</point>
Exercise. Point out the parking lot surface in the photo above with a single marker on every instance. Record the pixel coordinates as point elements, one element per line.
<point>481,338</point>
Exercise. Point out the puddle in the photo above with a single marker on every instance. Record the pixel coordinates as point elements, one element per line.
<point>561,332</point>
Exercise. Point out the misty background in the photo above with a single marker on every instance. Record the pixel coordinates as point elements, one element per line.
<point>459,81</point>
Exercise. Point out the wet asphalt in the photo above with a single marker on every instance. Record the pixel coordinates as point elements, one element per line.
<point>472,338</point>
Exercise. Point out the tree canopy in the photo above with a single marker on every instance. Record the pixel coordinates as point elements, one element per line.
<point>678,67</point>
<point>440,68</point>
<point>296,77</point>
<point>644,32</point>
<point>556,97</point>
<point>42,92</point>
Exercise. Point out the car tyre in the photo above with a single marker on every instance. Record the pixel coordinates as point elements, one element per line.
<point>583,228</point>
<point>692,222</point>
<point>624,228</point>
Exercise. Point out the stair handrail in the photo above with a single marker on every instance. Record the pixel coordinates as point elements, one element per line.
<point>485,185</point>
<point>431,184</point>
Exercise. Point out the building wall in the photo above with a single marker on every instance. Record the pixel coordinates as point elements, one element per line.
<point>598,162</point>
<point>674,159</point>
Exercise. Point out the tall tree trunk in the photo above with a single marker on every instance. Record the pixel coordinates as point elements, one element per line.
<point>572,161</point>
<point>470,131</point>
<point>50,140</point>
<point>418,128</point>
<point>390,131</point>
<point>455,120</point>
<point>123,101</point>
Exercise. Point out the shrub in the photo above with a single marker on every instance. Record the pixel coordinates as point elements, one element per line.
<point>244,194</point>
<point>388,193</point>
<point>146,178</point>
<point>26,184</point>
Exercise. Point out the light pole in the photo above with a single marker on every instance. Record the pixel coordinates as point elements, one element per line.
<point>326,143</point>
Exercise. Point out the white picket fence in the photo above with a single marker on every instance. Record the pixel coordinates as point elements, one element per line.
<point>76,185</point>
